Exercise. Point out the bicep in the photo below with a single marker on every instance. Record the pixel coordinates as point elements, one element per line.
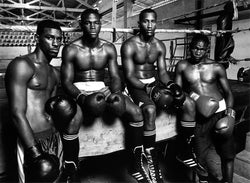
<point>178,75</point>
<point>127,59</point>
<point>113,65</point>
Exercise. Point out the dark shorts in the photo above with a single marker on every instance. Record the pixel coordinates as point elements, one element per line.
<point>140,97</point>
<point>50,142</point>
<point>206,139</point>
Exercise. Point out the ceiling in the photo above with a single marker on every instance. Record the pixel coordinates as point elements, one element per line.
<point>25,13</point>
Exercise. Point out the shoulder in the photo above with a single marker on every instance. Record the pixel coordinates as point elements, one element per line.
<point>21,66</point>
<point>72,45</point>
<point>130,43</point>
<point>182,64</point>
<point>108,46</point>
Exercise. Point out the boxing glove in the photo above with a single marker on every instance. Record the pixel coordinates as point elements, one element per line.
<point>179,96</point>
<point>62,110</point>
<point>116,103</point>
<point>224,127</point>
<point>205,105</point>
<point>95,104</point>
<point>162,97</point>
<point>40,166</point>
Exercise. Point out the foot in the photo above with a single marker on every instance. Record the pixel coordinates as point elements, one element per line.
<point>138,171</point>
<point>69,173</point>
<point>153,165</point>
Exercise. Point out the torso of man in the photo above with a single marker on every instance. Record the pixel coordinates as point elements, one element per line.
<point>145,56</point>
<point>202,78</point>
<point>90,62</point>
<point>39,89</point>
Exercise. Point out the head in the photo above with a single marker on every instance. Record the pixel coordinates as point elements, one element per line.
<point>147,22</point>
<point>49,37</point>
<point>199,47</point>
<point>90,23</point>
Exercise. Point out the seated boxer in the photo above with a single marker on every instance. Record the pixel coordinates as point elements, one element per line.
<point>30,82</point>
<point>204,79</point>
<point>140,54</point>
<point>84,62</point>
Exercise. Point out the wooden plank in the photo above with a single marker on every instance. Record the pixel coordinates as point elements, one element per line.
<point>101,137</point>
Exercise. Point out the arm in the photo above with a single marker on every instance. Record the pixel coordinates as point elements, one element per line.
<point>161,64</point>
<point>57,75</point>
<point>67,72</point>
<point>17,76</point>
<point>178,75</point>
<point>127,54</point>
<point>115,83</point>
<point>223,81</point>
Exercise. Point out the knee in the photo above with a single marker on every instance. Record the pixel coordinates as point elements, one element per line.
<point>136,114</point>
<point>74,125</point>
<point>149,110</point>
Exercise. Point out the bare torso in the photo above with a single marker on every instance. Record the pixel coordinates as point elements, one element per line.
<point>90,63</point>
<point>39,90</point>
<point>202,78</point>
<point>145,57</point>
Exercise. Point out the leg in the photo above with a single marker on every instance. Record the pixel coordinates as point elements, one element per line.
<point>187,125</point>
<point>149,113</point>
<point>134,116</point>
<point>70,142</point>
<point>227,168</point>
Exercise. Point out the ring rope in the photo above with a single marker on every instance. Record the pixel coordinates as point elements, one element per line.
<point>191,12</point>
<point>127,30</point>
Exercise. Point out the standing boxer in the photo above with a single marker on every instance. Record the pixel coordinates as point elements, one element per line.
<point>206,83</point>
<point>84,62</point>
<point>30,82</point>
<point>139,55</point>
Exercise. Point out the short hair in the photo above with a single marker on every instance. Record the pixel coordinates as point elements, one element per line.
<point>147,10</point>
<point>47,24</point>
<point>199,37</point>
<point>89,11</point>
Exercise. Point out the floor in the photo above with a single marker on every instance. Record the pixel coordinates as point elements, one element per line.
<point>113,168</point>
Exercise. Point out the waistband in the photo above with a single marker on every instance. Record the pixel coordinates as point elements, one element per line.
<point>45,134</point>
<point>90,86</point>
<point>148,80</point>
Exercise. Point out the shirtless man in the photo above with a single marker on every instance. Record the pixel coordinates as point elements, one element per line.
<point>205,81</point>
<point>84,62</point>
<point>30,82</point>
<point>139,55</point>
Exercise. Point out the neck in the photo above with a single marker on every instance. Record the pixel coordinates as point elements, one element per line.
<point>89,42</point>
<point>41,57</point>
<point>146,39</point>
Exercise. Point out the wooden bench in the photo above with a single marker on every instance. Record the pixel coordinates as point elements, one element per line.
<point>102,137</point>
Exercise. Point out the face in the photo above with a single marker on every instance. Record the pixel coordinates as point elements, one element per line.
<point>50,41</point>
<point>148,24</point>
<point>199,50</point>
<point>91,26</point>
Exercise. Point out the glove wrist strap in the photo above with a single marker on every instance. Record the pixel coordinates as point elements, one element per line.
<point>34,151</point>
<point>231,112</point>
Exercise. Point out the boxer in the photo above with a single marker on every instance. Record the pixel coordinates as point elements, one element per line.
<point>139,55</point>
<point>212,110</point>
<point>84,63</point>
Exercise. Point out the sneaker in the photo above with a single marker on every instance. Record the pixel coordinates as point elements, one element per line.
<point>69,173</point>
<point>138,171</point>
<point>188,157</point>
<point>153,165</point>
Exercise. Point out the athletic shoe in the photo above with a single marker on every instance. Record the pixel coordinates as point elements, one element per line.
<point>153,165</point>
<point>138,171</point>
<point>69,173</point>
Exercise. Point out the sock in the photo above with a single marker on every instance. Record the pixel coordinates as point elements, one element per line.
<point>70,148</point>
<point>187,128</point>
<point>149,138</point>
<point>135,134</point>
